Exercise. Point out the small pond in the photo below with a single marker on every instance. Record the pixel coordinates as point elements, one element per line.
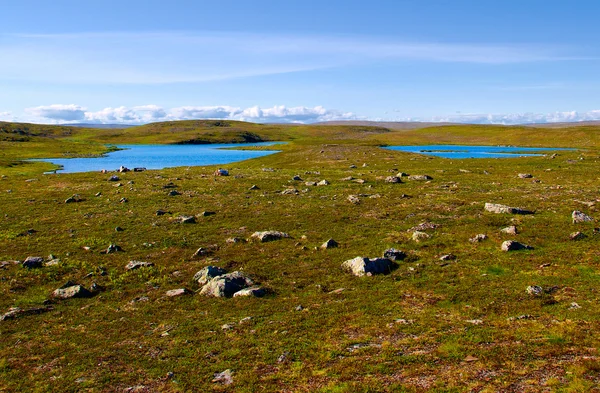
<point>162,156</point>
<point>464,151</point>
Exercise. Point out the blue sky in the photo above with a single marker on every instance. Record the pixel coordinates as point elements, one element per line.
<point>274,61</point>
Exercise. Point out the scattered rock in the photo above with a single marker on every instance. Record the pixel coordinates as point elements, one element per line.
<point>420,177</point>
<point>394,255</point>
<point>139,169</point>
<point>402,174</point>
<point>393,179</point>
<point>254,187</point>
<point>359,181</point>
<point>202,252</point>
<point>447,257</point>
<point>299,307</point>
<point>424,226</point>
<point>71,290</point>
<point>250,292</point>
<point>173,193</point>
<point>73,199</point>
<point>224,378</point>
<point>208,273</point>
<point>233,240</point>
<point>290,191</point>
<point>178,292</point>
<point>511,230</point>
<point>534,290</point>
<point>474,321</point>
<point>187,219</point>
<point>283,357</point>
<point>33,262</point>
<point>352,166</point>
<point>323,183</point>
<point>297,178</point>
<point>112,248</point>
<point>124,200</point>
<point>419,236</point>
<point>207,214</point>
<point>268,236</point>
<point>114,178</point>
<point>349,178</point>
<point>525,175</point>
<point>4,264</point>
<point>119,229</point>
<point>499,209</point>
<point>574,306</point>
<point>161,212</point>
<point>221,172</point>
<point>478,238</point>
<point>579,217</point>
<point>310,183</point>
<point>361,266</point>
<point>226,285</point>
<point>577,236</point>
<point>511,245</point>
<point>133,265</point>
<point>354,199</point>
<point>17,312</point>
<point>329,244</point>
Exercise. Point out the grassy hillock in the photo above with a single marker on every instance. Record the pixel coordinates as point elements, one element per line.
<point>452,325</point>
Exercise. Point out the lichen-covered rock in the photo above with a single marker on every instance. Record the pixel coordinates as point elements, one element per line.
<point>133,265</point>
<point>323,183</point>
<point>525,175</point>
<point>393,179</point>
<point>511,230</point>
<point>178,292</point>
<point>503,209</point>
<point>354,199</point>
<point>17,312</point>
<point>361,266</point>
<point>577,236</point>
<point>187,219</point>
<point>478,238</point>
<point>208,273</point>
<point>579,217</point>
<point>511,245</point>
<point>226,285</point>
<point>249,292</point>
<point>71,290</point>
<point>420,177</point>
<point>329,244</point>
<point>33,262</point>
<point>269,236</point>
<point>534,290</point>
<point>419,236</point>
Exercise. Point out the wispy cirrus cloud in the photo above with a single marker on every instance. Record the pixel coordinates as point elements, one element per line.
<point>180,57</point>
<point>58,113</point>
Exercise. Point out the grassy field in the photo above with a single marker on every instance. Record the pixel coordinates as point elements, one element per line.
<point>463,325</point>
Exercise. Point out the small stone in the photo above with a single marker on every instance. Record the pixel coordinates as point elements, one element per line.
<point>17,312</point>
<point>133,265</point>
<point>268,236</point>
<point>577,236</point>
<point>574,306</point>
<point>173,193</point>
<point>73,199</point>
<point>394,255</point>
<point>354,199</point>
<point>579,217</point>
<point>234,240</point>
<point>254,187</point>
<point>359,181</point>
<point>478,238</point>
<point>161,212</point>
<point>178,292</point>
<point>297,178</point>
<point>207,214</point>
<point>283,357</point>
<point>98,194</point>
<point>393,179</point>
<point>329,244</point>
<point>419,236</point>
<point>227,326</point>
<point>201,252</point>
<point>224,378</point>
<point>299,308</point>
<point>114,178</point>
<point>124,200</point>
<point>361,266</point>
<point>352,166</point>
<point>112,248</point>
<point>511,245</point>
<point>187,219</point>
<point>290,191</point>
<point>447,257</point>
<point>250,292</point>
<point>123,169</point>
<point>221,172</point>
<point>534,290</point>
<point>349,178</point>
<point>424,226</point>
<point>500,209</point>
<point>71,290</point>
<point>474,321</point>
<point>323,183</point>
<point>511,230</point>
<point>420,177</point>
<point>119,229</point>
<point>525,175</point>
<point>33,262</point>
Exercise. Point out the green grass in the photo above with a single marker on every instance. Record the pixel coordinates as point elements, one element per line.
<point>107,343</point>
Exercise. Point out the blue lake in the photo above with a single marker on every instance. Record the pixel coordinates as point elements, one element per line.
<point>463,151</point>
<point>162,156</point>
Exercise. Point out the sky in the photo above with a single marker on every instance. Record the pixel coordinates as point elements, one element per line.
<point>134,61</point>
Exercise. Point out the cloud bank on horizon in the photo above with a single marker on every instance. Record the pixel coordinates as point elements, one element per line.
<point>72,114</point>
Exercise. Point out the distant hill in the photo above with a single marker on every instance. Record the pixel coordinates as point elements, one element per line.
<point>564,124</point>
<point>107,126</point>
<point>392,125</point>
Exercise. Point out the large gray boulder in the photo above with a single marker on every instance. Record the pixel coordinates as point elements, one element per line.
<point>226,285</point>
<point>579,217</point>
<point>250,292</point>
<point>208,273</point>
<point>361,266</point>
<point>71,290</point>
<point>511,245</point>
<point>33,262</point>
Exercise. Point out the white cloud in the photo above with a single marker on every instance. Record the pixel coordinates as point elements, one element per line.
<point>515,118</point>
<point>59,112</point>
<point>169,57</point>
<point>152,113</point>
